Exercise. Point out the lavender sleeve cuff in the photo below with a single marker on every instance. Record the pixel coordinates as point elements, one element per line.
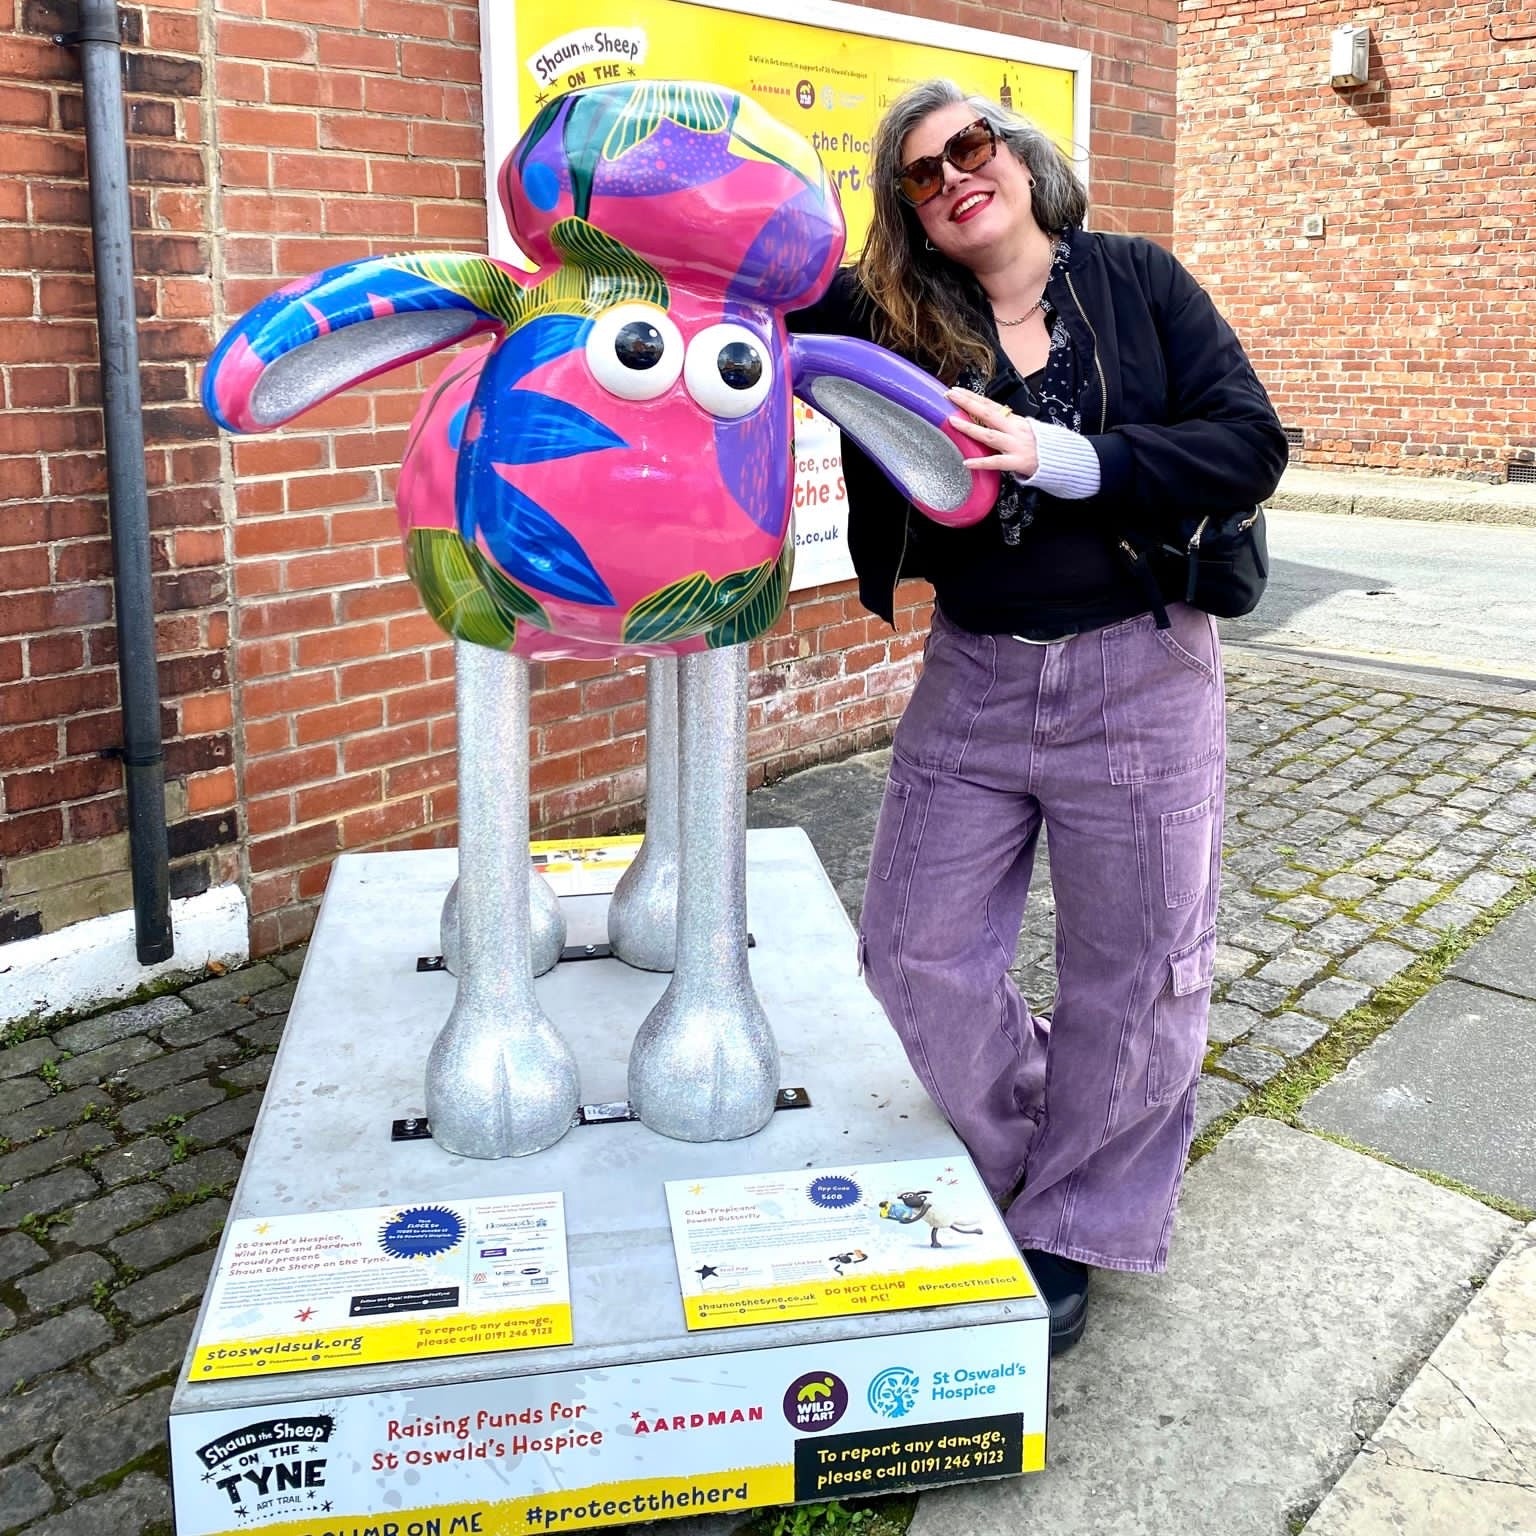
<point>1069,468</point>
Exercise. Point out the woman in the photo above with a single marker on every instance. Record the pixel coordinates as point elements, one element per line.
<point>1096,374</point>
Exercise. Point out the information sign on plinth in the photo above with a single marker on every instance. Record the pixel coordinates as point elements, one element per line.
<point>620,1328</point>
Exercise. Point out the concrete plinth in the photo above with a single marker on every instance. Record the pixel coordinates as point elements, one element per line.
<point>351,1064</point>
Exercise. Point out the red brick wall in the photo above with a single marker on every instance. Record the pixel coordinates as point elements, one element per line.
<point>1135,57</point>
<point>333,142</point>
<point>304,136</point>
<point>1401,338</point>
<point>58,681</point>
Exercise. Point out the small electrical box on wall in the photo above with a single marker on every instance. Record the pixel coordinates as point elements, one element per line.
<point>1349,58</point>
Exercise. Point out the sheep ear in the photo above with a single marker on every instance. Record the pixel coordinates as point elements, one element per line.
<point>323,333</point>
<point>899,416</point>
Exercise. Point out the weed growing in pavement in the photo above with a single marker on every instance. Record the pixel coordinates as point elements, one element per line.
<point>20,1030</point>
<point>38,1226</point>
<point>183,1198</point>
<point>1521,1213</point>
<point>878,1517</point>
<point>49,1072</point>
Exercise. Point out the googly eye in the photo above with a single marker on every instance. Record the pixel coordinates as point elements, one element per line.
<point>635,351</point>
<point>729,371</point>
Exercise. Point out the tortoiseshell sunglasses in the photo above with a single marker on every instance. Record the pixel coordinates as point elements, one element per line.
<point>967,150</point>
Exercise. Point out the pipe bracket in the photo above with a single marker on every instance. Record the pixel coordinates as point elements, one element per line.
<point>98,33</point>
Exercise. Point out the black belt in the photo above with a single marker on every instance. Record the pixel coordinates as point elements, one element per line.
<point>1048,631</point>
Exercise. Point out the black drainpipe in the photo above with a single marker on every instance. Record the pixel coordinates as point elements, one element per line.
<point>100,46</point>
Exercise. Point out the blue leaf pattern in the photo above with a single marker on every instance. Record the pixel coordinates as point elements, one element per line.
<point>529,545</point>
<point>531,429</point>
<point>538,341</point>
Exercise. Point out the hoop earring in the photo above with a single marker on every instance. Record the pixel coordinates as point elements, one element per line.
<point>928,244</point>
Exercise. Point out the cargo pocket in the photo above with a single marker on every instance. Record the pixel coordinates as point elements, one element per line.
<point>1179,1020</point>
<point>1188,837</point>
<point>893,818</point>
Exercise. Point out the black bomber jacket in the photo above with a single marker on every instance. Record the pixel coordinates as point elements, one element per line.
<point>1178,418</point>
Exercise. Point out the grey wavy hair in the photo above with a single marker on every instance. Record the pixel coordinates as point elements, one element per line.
<point>925,304</point>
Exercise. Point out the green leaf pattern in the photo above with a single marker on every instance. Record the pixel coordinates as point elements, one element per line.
<point>477,278</point>
<point>612,272</point>
<point>652,104</point>
<point>735,608</point>
<point>598,271</point>
<point>465,594</point>
<point>761,611</point>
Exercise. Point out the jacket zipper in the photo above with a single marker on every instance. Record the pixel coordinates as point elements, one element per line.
<point>1098,367</point>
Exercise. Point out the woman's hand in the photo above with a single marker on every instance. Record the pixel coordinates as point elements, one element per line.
<point>1009,440</point>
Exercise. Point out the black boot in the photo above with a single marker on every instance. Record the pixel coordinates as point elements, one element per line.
<point>1064,1286</point>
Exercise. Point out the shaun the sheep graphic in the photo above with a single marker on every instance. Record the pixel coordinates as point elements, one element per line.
<point>919,1205</point>
<point>610,476</point>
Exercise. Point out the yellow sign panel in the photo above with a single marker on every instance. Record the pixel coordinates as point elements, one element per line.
<point>829,85</point>
<point>479,1334</point>
<point>998,1279</point>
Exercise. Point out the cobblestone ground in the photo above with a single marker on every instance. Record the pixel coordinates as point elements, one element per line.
<point>1364,824</point>
<point>1365,827</point>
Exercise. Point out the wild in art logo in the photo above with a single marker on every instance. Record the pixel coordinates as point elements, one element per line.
<point>815,1401</point>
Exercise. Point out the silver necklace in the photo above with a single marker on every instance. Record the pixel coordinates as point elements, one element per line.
<point>1039,305</point>
<point>1034,308</point>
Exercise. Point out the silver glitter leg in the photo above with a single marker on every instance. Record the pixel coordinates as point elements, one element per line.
<point>642,916</point>
<point>547,931</point>
<point>500,1080</point>
<point>704,1066</point>
<point>448,931</point>
<point>546,935</point>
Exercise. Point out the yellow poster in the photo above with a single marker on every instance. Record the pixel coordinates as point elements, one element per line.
<point>585,866</point>
<point>828,84</point>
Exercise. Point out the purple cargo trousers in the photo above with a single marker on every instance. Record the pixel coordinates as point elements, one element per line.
<point>1114,741</point>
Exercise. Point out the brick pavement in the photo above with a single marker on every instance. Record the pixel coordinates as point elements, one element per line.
<point>1365,824</point>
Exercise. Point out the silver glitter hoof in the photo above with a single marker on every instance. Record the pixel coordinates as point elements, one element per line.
<point>705,1069</point>
<point>448,932</point>
<point>546,934</point>
<point>642,916</point>
<point>497,1088</point>
<point>546,928</point>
